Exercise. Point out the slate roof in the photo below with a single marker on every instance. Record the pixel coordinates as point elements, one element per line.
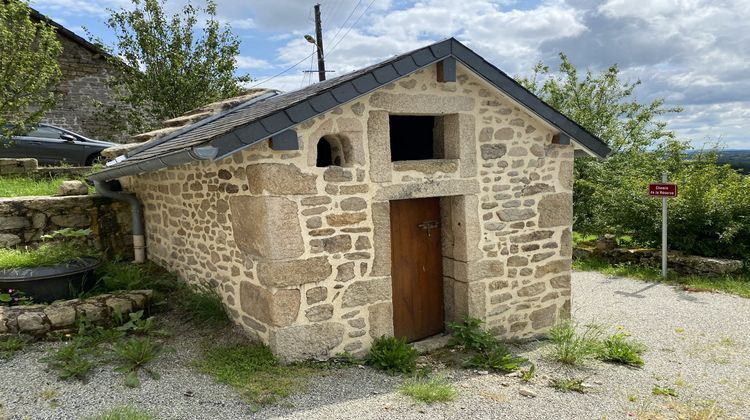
<point>268,115</point>
<point>63,31</point>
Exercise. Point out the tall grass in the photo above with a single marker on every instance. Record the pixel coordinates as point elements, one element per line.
<point>45,254</point>
<point>21,186</point>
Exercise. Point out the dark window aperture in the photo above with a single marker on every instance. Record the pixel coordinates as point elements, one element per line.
<point>324,154</point>
<point>412,137</point>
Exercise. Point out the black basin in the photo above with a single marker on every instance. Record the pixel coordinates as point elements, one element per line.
<point>55,282</point>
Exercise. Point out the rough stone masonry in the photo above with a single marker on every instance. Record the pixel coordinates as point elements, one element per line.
<point>301,254</point>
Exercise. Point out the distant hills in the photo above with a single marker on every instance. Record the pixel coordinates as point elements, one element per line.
<point>737,158</point>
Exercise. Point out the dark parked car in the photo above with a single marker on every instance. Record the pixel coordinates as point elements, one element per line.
<point>54,145</point>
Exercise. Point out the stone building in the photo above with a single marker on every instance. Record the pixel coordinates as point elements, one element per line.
<point>85,71</point>
<point>420,190</point>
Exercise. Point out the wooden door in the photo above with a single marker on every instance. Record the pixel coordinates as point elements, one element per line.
<point>417,269</point>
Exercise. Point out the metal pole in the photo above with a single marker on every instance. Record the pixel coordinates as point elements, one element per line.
<point>664,230</point>
<point>319,43</point>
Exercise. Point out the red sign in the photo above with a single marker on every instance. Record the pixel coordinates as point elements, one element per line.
<point>662,190</point>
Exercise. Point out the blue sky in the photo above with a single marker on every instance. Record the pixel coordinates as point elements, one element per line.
<point>693,53</point>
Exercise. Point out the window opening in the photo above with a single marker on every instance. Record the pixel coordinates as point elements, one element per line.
<point>324,157</point>
<point>415,137</point>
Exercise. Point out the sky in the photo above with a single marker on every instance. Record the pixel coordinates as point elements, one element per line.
<point>693,53</point>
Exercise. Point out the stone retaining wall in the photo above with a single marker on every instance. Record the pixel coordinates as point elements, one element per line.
<point>62,316</point>
<point>23,220</point>
<point>683,264</point>
<point>30,167</point>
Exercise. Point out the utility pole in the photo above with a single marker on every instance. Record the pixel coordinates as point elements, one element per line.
<point>319,43</point>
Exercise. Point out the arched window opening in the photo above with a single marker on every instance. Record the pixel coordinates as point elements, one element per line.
<point>332,149</point>
<point>324,156</point>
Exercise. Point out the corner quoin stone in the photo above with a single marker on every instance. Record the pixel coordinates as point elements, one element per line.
<point>266,227</point>
<point>279,309</point>
<point>303,342</point>
<point>279,179</point>
<point>294,273</point>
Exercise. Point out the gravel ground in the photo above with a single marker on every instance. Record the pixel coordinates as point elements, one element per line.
<point>697,344</point>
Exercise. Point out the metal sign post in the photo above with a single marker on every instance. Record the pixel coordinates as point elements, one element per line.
<point>664,230</point>
<point>663,190</point>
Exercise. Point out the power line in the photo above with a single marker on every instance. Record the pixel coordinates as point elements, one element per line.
<point>350,28</point>
<point>282,72</point>
<point>345,21</point>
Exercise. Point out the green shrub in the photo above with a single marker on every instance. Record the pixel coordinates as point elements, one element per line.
<point>392,355</point>
<point>470,335</point>
<point>574,348</point>
<point>709,217</point>
<point>429,390</point>
<point>618,349</point>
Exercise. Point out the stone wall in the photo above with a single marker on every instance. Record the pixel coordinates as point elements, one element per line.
<point>302,255</point>
<point>61,316</point>
<point>23,220</point>
<point>29,167</point>
<point>84,81</point>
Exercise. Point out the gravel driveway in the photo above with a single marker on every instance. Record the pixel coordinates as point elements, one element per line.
<point>697,344</point>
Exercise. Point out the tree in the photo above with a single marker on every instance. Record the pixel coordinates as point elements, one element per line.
<point>28,67</point>
<point>168,66</point>
<point>641,144</point>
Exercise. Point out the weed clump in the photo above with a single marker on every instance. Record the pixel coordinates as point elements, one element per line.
<point>392,355</point>
<point>569,385</point>
<point>485,351</point>
<point>617,349</point>
<point>666,391</point>
<point>572,348</point>
<point>9,346</point>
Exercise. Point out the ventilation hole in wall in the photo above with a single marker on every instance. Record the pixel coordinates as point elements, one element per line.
<point>324,157</point>
<point>333,149</point>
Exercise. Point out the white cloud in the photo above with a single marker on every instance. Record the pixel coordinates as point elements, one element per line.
<point>247,62</point>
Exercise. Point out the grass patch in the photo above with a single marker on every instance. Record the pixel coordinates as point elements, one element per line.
<point>568,385</point>
<point>45,254</point>
<point>662,390</point>
<point>429,390</point>
<point>737,285</point>
<point>392,355</point>
<point>254,372</point>
<point>9,346</point>
<point>19,186</point>
<point>573,348</point>
<point>618,349</point>
<point>123,413</point>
